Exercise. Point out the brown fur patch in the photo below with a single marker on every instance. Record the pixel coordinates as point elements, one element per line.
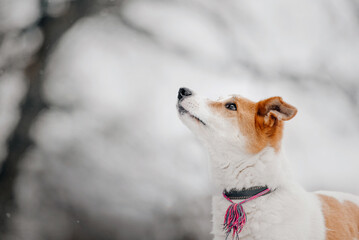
<point>341,219</point>
<point>269,119</point>
<point>251,124</point>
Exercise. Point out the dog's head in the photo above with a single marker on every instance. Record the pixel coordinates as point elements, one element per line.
<point>235,122</point>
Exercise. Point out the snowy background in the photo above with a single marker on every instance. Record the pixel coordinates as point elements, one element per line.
<point>87,106</point>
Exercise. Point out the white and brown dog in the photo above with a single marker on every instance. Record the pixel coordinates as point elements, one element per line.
<point>244,143</point>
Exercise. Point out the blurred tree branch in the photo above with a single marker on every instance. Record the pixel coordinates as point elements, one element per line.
<point>53,28</point>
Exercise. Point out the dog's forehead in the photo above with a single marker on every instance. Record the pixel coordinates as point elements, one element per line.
<point>229,97</point>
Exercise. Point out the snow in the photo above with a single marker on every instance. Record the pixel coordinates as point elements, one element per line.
<point>16,14</point>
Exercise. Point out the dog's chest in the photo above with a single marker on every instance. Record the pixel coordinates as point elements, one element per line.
<point>268,219</point>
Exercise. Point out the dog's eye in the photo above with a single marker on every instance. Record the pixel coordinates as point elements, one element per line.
<point>231,106</point>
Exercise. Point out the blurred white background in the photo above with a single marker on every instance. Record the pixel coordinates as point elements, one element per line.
<point>110,159</point>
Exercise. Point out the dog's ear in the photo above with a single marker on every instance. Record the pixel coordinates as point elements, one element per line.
<point>274,109</point>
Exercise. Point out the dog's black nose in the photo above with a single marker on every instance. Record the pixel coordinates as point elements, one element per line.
<point>184,92</point>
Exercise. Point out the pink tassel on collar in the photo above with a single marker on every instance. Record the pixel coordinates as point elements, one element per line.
<point>235,217</point>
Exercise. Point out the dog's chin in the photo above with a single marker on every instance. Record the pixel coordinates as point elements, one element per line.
<point>185,113</point>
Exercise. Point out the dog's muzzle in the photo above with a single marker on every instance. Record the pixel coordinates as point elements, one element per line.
<point>182,94</point>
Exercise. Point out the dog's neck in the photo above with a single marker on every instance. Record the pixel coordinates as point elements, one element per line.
<point>233,169</point>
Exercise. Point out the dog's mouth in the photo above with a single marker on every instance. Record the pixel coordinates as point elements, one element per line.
<point>183,111</point>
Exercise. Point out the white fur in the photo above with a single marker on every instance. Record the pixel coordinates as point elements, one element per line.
<point>288,213</point>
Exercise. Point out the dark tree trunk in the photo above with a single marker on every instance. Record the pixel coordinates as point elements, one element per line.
<point>33,103</point>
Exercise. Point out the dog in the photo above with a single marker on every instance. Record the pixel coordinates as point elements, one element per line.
<point>256,196</point>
